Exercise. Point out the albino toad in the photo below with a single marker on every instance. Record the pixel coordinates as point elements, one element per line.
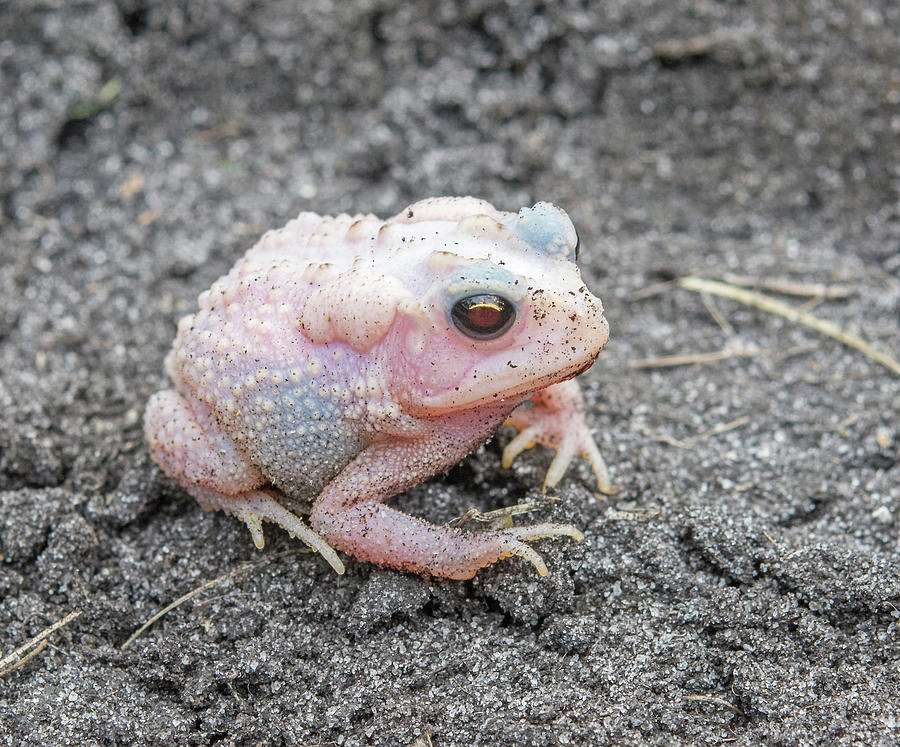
<point>345,359</point>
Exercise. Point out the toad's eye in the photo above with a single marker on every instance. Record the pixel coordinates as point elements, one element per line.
<point>484,316</point>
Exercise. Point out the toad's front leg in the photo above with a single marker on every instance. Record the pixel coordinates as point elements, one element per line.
<point>556,418</point>
<point>350,515</point>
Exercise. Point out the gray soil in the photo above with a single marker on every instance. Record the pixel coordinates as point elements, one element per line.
<point>742,587</point>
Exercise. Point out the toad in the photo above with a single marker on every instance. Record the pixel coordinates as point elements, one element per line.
<point>345,359</point>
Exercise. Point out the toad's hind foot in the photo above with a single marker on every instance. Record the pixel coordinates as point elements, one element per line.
<point>257,506</point>
<point>254,507</point>
<point>513,541</point>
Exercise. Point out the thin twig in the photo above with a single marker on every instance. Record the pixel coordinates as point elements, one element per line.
<point>200,589</point>
<point>231,128</point>
<point>714,699</point>
<point>791,288</point>
<point>633,514</point>
<point>487,517</point>
<point>12,657</point>
<point>722,428</point>
<point>772,540</point>
<point>693,440</point>
<point>775,285</point>
<point>687,359</point>
<point>792,314</point>
<point>25,659</point>
<point>676,50</point>
<point>651,290</point>
<point>781,355</point>
<point>666,439</point>
<point>839,428</point>
<point>717,315</point>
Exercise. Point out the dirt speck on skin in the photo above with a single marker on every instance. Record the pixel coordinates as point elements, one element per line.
<point>743,584</point>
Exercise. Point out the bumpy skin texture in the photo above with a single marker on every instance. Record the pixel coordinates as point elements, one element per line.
<point>345,359</point>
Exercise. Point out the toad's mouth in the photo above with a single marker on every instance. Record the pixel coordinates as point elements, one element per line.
<point>581,370</point>
<point>491,391</point>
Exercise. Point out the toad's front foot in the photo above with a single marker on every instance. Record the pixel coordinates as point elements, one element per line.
<point>557,420</point>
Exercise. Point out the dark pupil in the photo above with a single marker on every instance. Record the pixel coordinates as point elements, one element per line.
<point>483,317</point>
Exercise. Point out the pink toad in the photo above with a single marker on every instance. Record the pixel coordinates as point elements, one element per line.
<point>345,359</point>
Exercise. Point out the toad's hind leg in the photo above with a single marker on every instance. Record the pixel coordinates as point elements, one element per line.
<point>192,449</point>
<point>350,515</point>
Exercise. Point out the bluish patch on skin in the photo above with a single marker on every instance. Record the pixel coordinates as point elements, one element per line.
<point>546,228</point>
<point>304,440</point>
<point>483,277</point>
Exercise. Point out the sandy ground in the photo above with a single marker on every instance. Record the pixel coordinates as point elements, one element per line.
<point>743,586</point>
